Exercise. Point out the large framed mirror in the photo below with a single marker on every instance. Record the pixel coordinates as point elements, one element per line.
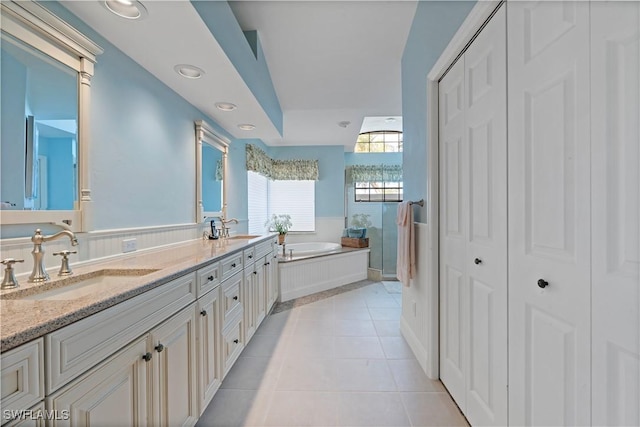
<point>46,81</point>
<point>211,167</point>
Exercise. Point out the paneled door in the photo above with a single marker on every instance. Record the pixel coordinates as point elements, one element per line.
<point>549,213</point>
<point>473,232</point>
<point>615,136</point>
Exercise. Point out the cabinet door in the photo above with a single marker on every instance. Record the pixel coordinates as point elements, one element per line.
<point>615,207</point>
<point>453,233</point>
<point>113,394</point>
<point>272,280</point>
<point>173,345</point>
<point>549,213</point>
<point>248,287</point>
<point>209,350</point>
<point>473,282</point>
<point>260,290</point>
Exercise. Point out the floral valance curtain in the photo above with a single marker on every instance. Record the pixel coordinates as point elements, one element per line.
<point>298,170</point>
<point>374,173</point>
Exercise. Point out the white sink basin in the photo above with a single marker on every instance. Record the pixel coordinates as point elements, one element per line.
<point>75,287</point>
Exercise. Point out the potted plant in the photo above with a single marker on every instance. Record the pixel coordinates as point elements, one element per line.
<point>281,224</point>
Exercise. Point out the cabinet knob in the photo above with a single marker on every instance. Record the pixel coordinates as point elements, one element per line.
<point>159,348</point>
<point>250,256</point>
<point>236,341</point>
<point>235,298</point>
<point>267,263</point>
<point>255,272</point>
<point>477,261</point>
<point>147,357</point>
<point>543,283</point>
<point>210,278</point>
<point>203,313</point>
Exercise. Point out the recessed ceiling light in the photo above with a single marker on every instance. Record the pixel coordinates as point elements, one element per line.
<point>246,126</point>
<point>390,119</point>
<point>226,106</point>
<point>344,123</point>
<point>189,71</point>
<point>128,9</point>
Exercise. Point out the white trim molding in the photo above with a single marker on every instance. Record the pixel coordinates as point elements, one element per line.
<point>36,26</point>
<point>206,134</point>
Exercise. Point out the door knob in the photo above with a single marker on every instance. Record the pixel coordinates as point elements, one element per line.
<point>543,283</point>
<point>477,261</point>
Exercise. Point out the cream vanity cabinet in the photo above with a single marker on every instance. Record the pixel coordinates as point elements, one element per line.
<point>150,381</point>
<point>22,379</point>
<point>209,355</point>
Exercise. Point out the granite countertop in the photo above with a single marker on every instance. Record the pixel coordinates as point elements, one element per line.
<point>23,320</point>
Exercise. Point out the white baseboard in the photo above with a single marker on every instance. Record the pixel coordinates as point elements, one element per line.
<point>418,350</point>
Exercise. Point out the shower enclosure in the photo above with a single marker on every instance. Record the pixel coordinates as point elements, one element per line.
<point>382,234</point>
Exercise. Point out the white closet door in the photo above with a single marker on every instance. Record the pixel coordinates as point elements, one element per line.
<point>549,213</point>
<point>486,255</point>
<point>453,233</point>
<point>473,232</point>
<point>615,112</point>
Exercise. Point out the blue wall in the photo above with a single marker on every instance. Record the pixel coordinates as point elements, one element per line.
<point>142,142</point>
<point>222,23</point>
<point>433,26</point>
<point>330,185</point>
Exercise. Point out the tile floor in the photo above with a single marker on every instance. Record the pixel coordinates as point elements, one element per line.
<point>337,361</point>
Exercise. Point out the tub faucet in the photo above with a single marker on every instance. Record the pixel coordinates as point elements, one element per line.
<point>39,273</point>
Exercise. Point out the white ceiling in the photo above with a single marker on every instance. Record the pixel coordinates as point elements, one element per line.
<point>330,61</point>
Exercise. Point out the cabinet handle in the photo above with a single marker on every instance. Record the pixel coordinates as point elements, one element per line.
<point>210,278</point>
<point>147,357</point>
<point>477,261</point>
<point>235,298</point>
<point>233,265</point>
<point>159,348</point>
<point>543,283</point>
<point>203,313</point>
<point>236,341</point>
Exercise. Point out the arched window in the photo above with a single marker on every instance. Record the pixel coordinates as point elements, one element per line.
<point>383,141</point>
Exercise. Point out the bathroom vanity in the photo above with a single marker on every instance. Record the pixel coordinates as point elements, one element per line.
<point>143,340</point>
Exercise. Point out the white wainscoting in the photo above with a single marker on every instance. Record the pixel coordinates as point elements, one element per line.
<point>98,245</point>
<point>328,229</point>
<point>308,276</point>
<point>419,322</point>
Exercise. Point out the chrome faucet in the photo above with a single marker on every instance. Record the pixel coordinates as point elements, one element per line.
<point>39,273</point>
<point>223,228</point>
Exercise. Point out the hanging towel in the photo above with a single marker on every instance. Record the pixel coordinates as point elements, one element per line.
<point>406,264</point>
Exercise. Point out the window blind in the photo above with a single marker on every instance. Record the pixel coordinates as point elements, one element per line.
<point>295,198</point>
<point>258,202</point>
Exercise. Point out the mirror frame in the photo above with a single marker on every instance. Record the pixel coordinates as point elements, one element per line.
<point>205,134</point>
<point>36,26</point>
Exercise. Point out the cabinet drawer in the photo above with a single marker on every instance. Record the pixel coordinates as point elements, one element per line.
<point>232,343</point>
<point>231,297</point>
<point>78,347</point>
<point>231,265</point>
<point>263,249</point>
<point>249,256</point>
<point>208,278</point>
<point>22,383</point>
<point>33,418</point>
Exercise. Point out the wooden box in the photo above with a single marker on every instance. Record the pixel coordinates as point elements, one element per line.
<point>353,242</point>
